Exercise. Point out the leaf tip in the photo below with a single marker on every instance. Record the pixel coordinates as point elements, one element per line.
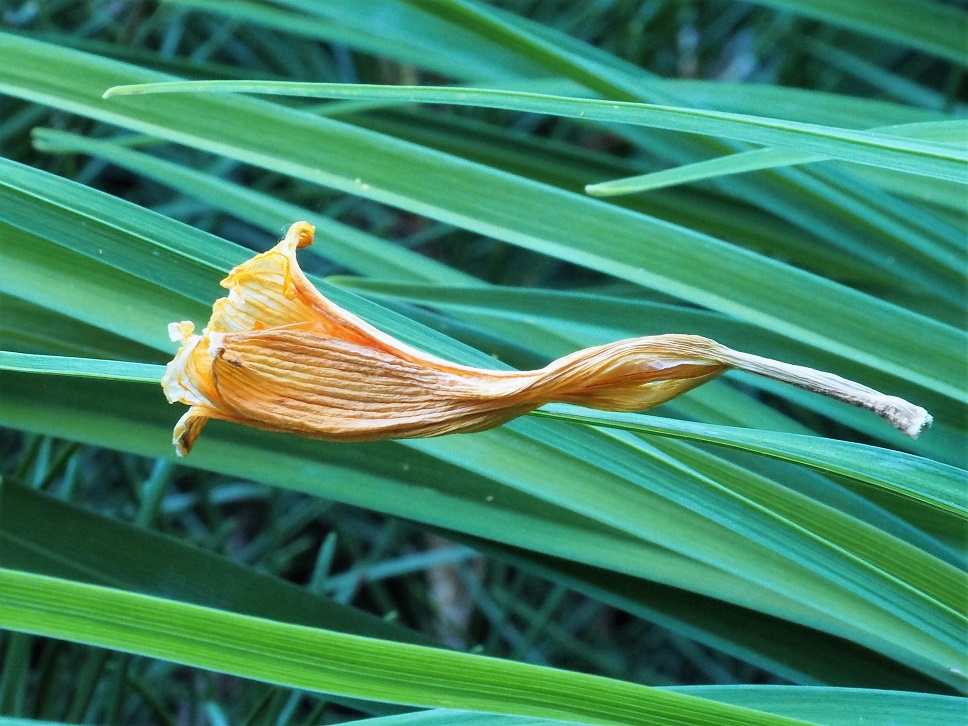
<point>120,91</point>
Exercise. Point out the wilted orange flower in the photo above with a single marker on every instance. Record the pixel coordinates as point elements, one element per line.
<point>277,355</point>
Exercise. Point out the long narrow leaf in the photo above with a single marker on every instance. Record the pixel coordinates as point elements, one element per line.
<point>934,159</point>
<point>111,370</point>
<point>927,481</point>
<point>350,665</point>
<point>949,131</point>
<point>46,536</point>
<point>924,24</point>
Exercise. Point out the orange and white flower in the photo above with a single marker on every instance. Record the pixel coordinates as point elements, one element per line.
<point>278,355</point>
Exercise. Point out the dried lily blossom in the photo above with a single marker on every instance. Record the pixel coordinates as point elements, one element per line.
<point>279,356</point>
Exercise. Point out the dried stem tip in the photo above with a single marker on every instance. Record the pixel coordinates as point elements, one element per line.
<point>278,355</point>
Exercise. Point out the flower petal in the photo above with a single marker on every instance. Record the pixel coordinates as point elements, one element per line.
<point>278,355</point>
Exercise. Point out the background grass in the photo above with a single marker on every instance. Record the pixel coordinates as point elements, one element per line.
<point>728,550</point>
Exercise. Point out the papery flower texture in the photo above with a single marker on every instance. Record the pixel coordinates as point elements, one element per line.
<point>278,355</point>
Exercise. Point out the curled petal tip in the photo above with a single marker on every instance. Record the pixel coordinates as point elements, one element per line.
<point>187,429</point>
<point>180,332</point>
<point>302,233</point>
